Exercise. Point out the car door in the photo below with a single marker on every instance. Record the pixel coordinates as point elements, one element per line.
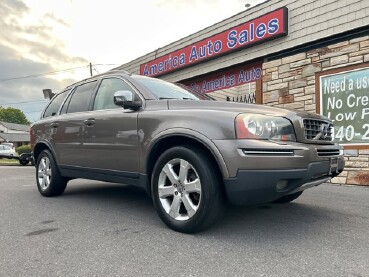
<point>110,132</point>
<point>68,127</point>
<point>49,130</point>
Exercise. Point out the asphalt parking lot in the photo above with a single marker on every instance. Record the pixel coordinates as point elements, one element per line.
<point>102,229</point>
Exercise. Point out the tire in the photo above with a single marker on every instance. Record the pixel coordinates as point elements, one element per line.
<point>49,181</point>
<point>191,199</point>
<point>288,198</point>
<point>23,162</point>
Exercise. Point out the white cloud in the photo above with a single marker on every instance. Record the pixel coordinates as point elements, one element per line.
<point>41,36</point>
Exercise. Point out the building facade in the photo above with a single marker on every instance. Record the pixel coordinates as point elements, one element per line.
<point>17,134</point>
<point>310,55</point>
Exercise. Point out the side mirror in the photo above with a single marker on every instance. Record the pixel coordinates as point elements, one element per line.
<point>124,98</point>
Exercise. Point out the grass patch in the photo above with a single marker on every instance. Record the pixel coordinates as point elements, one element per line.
<point>9,162</point>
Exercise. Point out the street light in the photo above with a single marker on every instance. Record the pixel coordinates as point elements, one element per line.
<point>48,94</point>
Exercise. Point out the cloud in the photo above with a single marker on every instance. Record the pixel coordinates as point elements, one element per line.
<point>25,90</point>
<point>30,95</point>
<point>207,4</point>
<point>56,19</point>
<point>8,7</point>
<point>12,65</point>
<point>29,47</point>
<point>181,3</point>
<point>36,40</point>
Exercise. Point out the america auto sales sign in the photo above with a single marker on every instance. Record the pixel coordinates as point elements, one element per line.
<point>264,28</point>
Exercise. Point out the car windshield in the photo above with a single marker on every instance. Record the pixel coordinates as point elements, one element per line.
<point>165,90</point>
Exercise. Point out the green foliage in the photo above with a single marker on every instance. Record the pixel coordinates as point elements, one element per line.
<point>23,149</point>
<point>12,115</point>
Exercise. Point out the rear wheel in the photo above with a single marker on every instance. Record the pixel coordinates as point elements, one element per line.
<point>288,198</point>
<point>49,181</point>
<point>186,189</point>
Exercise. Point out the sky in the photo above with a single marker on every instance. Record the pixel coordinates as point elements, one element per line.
<point>55,40</point>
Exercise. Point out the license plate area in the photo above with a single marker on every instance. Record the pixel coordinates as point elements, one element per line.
<point>333,168</point>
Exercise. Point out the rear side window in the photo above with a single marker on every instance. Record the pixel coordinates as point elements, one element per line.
<point>54,105</point>
<point>80,100</point>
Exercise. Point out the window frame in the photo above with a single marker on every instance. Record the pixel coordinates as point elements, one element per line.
<point>66,99</point>
<point>98,88</point>
<point>51,101</point>
<point>134,89</point>
<point>70,96</point>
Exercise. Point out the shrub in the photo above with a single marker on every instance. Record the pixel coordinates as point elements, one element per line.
<point>23,149</point>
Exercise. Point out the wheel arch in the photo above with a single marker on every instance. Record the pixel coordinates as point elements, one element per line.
<point>170,139</point>
<point>39,147</point>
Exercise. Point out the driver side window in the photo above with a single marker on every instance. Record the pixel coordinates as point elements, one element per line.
<point>105,95</point>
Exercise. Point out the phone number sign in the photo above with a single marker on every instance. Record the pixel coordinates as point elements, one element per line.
<point>344,98</point>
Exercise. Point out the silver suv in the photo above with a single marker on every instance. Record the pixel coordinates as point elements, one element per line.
<point>190,153</point>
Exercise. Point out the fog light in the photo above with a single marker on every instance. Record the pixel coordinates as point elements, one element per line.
<point>281,185</point>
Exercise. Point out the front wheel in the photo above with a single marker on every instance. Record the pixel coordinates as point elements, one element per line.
<point>49,181</point>
<point>186,189</point>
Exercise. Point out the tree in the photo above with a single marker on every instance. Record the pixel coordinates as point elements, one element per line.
<point>12,115</point>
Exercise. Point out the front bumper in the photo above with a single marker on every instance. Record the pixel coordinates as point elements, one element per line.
<point>269,170</point>
<point>263,186</point>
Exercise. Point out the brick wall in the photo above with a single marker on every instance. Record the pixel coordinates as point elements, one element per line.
<point>290,83</point>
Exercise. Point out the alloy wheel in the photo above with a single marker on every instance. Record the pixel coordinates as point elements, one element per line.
<point>44,173</point>
<point>179,189</point>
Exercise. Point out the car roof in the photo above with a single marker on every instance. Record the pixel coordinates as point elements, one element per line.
<point>108,73</point>
<point>114,73</point>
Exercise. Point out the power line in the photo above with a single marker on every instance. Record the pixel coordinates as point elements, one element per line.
<point>33,111</point>
<point>41,74</point>
<point>25,102</point>
<point>29,109</point>
<point>94,68</point>
<point>105,64</point>
<point>50,73</point>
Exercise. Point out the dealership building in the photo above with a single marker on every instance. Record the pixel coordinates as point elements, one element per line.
<point>310,55</point>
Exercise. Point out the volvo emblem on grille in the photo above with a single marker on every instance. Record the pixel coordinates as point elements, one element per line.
<point>323,132</point>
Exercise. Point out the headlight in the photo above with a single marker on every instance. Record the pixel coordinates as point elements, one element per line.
<point>257,126</point>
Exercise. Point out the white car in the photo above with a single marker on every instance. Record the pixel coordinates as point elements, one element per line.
<point>6,151</point>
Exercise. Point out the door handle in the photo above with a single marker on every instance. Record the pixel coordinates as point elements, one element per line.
<point>89,122</point>
<point>54,124</point>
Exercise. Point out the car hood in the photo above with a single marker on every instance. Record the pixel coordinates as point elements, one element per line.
<point>240,108</point>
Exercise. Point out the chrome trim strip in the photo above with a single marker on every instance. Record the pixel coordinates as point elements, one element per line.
<point>311,184</point>
<point>271,153</point>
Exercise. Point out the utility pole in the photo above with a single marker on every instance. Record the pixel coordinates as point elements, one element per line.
<point>91,69</point>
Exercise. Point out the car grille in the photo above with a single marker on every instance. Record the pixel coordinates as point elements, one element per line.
<point>328,152</point>
<point>318,130</point>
